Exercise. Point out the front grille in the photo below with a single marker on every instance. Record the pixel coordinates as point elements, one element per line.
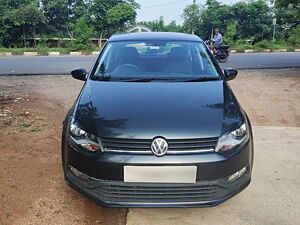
<point>122,192</point>
<point>151,193</point>
<point>142,146</point>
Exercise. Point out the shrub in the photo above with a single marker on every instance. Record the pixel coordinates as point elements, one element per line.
<point>82,33</point>
<point>294,36</point>
<point>264,44</point>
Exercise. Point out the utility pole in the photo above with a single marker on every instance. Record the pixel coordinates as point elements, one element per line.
<point>274,22</point>
<point>194,3</point>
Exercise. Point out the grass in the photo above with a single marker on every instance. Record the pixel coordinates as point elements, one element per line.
<point>36,130</point>
<point>13,186</point>
<point>260,46</point>
<point>25,125</point>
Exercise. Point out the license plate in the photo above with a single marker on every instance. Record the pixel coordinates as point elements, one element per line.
<point>160,174</point>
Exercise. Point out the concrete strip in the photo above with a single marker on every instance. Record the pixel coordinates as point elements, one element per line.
<point>233,51</point>
<point>95,53</point>
<point>75,53</point>
<point>53,53</point>
<point>30,54</point>
<point>272,197</point>
<point>249,50</point>
<point>5,54</point>
<point>279,50</point>
<point>297,50</point>
<point>267,50</point>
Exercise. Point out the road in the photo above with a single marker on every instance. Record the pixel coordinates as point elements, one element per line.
<point>63,64</point>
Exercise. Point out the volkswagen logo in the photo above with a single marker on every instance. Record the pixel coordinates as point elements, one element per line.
<point>159,146</point>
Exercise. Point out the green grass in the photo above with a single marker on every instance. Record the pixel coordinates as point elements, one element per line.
<point>260,46</point>
<point>36,130</point>
<point>25,125</point>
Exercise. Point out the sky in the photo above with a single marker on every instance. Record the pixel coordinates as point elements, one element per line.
<point>169,9</point>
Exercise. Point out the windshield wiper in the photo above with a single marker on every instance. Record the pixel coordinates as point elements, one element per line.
<point>201,79</point>
<point>144,79</point>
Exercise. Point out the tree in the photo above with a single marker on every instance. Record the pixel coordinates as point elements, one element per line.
<point>99,15</point>
<point>192,17</point>
<point>119,16</point>
<point>230,33</point>
<point>10,34</point>
<point>159,25</point>
<point>294,36</point>
<point>254,19</point>
<point>82,34</point>
<point>59,17</point>
<point>290,4</point>
<point>28,16</point>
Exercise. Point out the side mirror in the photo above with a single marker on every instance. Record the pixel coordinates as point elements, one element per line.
<point>79,74</point>
<point>230,73</point>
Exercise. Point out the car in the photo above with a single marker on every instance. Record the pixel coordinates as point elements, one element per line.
<point>156,124</point>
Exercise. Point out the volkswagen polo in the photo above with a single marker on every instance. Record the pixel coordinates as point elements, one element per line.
<point>156,125</point>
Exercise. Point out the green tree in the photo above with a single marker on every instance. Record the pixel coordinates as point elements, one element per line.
<point>99,15</point>
<point>10,34</point>
<point>59,17</point>
<point>254,19</point>
<point>290,4</point>
<point>160,25</point>
<point>28,16</point>
<point>120,16</point>
<point>192,17</point>
<point>230,33</point>
<point>214,15</point>
<point>82,34</point>
<point>294,36</point>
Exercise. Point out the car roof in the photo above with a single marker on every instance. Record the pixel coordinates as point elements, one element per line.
<point>164,36</point>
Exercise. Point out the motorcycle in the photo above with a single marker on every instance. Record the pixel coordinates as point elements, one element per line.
<point>221,54</point>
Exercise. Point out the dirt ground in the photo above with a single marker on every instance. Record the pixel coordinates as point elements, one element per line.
<point>32,189</point>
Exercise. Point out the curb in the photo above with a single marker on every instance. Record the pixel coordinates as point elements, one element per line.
<point>31,54</point>
<point>83,53</point>
<point>264,50</point>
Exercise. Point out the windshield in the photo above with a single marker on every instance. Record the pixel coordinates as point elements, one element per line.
<point>133,60</point>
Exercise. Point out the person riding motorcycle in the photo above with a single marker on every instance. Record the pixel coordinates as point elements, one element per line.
<point>217,40</point>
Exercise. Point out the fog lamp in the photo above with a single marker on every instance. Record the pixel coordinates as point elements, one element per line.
<point>78,174</point>
<point>237,174</point>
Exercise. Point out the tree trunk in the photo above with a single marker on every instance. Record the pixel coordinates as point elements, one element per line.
<point>100,42</point>
<point>24,40</point>
<point>34,35</point>
<point>69,33</point>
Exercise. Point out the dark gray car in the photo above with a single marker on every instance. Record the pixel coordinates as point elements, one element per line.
<point>157,125</point>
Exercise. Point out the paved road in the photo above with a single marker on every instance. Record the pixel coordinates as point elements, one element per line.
<point>63,64</point>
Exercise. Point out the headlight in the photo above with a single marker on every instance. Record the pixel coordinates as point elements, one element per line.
<point>87,141</point>
<point>231,140</point>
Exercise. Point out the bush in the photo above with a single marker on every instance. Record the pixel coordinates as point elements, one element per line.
<point>264,44</point>
<point>82,33</point>
<point>294,36</point>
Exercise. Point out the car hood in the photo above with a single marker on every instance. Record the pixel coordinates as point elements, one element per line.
<point>174,110</point>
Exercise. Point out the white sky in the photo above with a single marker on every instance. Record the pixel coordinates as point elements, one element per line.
<point>169,9</point>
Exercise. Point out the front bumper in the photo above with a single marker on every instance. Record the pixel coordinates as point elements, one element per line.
<point>103,182</point>
<point>120,194</point>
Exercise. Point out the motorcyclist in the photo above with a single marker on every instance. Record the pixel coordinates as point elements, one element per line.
<point>217,40</point>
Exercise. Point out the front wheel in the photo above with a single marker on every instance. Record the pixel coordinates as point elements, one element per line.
<point>223,57</point>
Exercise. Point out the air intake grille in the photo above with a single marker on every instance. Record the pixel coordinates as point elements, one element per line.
<point>176,146</point>
<point>122,192</point>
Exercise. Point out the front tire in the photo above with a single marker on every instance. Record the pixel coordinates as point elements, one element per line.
<point>224,59</point>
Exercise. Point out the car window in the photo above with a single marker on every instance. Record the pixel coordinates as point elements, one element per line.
<point>154,59</point>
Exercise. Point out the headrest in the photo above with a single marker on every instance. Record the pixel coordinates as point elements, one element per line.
<point>129,52</point>
<point>178,52</point>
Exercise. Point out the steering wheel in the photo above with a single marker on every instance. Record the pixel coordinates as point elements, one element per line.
<point>129,67</point>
